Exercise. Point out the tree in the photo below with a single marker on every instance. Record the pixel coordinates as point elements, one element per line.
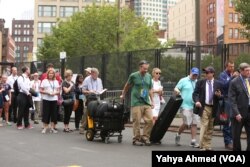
<point>243,6</point>
<point>94,32</point>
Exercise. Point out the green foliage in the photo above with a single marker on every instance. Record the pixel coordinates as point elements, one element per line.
<point>170,43</point>
<point>173,68</point>
<point>94,32</point>
<point>242,58</point>
<point>243,6</point>
<point>214,61</point>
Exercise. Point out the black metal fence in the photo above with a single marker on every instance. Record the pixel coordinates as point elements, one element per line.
<point>174,62</point>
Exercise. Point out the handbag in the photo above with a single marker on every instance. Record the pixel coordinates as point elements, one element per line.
<point>76,104</point>
<point>68,102</point>
<point>59,100</point>
<point>221,117</point>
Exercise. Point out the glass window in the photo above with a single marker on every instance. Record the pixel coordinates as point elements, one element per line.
<point>230,17</point>
<point>67,11</point>
<point>26,48</point>
<point>45,27</point>
<point>17,49</point>
<point>236,18</point>
<point>17,54</point>
<point>231,3</point>
<point>46,11</point>
<point>230,33</point>
<point>236,33</point>
<point>39,41</point>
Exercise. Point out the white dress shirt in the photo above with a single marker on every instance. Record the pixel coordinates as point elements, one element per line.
<point>10,80</point>
<point>207,92</point>
<point>24,84</point>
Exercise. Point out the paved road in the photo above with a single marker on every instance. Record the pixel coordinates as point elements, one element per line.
<point>30,148</point>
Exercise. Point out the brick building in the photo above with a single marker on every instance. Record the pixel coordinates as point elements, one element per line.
<point>22,33</point>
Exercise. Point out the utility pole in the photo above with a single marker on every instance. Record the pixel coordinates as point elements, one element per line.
<point>197,35</point>
<point>118,25</point>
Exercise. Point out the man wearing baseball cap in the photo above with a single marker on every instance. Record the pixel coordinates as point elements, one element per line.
<point>185,88</point>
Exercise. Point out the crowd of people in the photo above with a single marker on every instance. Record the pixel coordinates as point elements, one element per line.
<point>201,101</point>
<point>42,97</point>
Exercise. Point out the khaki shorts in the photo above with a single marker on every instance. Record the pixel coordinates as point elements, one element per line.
<point>189,117</point>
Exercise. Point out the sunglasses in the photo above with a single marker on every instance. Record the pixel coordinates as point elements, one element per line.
<point>158,73</point>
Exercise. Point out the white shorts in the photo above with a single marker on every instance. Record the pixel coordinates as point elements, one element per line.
<point>189,118</point>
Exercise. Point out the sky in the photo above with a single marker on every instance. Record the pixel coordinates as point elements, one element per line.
<point>18,9</point>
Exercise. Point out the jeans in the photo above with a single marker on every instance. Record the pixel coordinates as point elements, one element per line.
<point>227,129</point>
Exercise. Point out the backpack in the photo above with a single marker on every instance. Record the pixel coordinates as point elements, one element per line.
<point>16,87</point>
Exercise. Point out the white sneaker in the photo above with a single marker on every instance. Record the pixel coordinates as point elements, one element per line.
<point>194,144</point>
<point>53,130</point>
<point>177,139</point>
<point>8,123</point>
<point>1,125</point>
<point>44,130</point>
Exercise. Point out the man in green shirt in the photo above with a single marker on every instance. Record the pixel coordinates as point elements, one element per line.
<point>141,85</point>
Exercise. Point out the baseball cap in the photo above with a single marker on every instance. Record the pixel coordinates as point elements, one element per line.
<point>88,69</point>
<point>195,70</point>
<point>209,69</point>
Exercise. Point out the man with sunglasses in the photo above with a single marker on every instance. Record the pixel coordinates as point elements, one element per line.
<point>225,78</point>
<point>185,88</point>
<point>206,96</point>
<point>141,85</point>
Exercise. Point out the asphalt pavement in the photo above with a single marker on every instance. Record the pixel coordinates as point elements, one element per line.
<point>30,148</point>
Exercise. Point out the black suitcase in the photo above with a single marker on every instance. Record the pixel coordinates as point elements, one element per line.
<point>165,118</point>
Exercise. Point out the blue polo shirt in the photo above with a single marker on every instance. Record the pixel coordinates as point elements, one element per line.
<point>186,87</point>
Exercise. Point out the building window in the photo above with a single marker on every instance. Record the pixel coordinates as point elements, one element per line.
<point>231,3</point>
<point>46,11</point>
<point>45,27</point>
<point>67,11</point>
<point>26,48</point>
<point>17,49</point>
<point>236,18</point>
<point>230,33</point>
<point>236,33</point>
<point>211,8</point>
<point>230,17</point>
<point>39,42</point>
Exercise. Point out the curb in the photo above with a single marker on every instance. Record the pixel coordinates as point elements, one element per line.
<point>174,128</point>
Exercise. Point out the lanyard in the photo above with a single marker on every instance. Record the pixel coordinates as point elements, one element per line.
<point>244,83</point>
<point>51,85</point>
<point>142,80</point>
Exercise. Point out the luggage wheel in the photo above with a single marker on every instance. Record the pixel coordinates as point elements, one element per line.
<point>119,139</point>
<point>90,135</point>
<point>106,140</point>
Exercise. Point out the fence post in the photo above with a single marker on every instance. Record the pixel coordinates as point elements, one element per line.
<point>82,65</point>
<point>62,68</point>
<point>129,63</point>
<point>104,70</point>
<point>157,58</point>
<point>44,66</point>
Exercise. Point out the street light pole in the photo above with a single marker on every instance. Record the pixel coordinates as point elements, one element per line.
<point>197,35</point>
<point>118,27</point>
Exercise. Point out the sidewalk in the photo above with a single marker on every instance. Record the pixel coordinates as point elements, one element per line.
<point>178,121</point>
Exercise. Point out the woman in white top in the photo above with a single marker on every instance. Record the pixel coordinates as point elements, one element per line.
<point>50,90</point>
<point>35,84</point>
<point>157,90</point>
